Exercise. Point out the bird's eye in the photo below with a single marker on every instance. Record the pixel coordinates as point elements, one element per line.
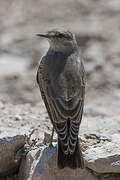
<point>61,35</point>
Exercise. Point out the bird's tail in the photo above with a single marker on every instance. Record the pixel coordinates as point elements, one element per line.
<point>73,161</point>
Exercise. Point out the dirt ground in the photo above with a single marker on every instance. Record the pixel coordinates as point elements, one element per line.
<point>97,28</point>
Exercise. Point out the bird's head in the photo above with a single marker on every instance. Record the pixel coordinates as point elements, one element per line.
<point>60,40</point>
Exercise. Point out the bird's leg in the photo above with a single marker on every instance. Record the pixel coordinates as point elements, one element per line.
<point>51,140</point>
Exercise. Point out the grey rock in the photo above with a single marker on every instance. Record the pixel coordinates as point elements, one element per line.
<point>40,164</point>
<point>47,138</point>
<point>101,157</point>
<point>28,164</point>
<point>18,117</point>
<point>104,157</point>
<point>10,153</point>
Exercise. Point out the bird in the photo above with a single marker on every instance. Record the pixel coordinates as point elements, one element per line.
<point>61,79</point>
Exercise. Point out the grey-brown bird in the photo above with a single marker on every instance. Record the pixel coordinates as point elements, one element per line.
<point>61,78</point>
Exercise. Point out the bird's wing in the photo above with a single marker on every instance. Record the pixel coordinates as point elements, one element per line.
<point>40,80</point>
<point>67,112</point>
<point>66,93</point>
<point>67,121</point>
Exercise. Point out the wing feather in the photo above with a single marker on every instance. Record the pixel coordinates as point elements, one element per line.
<point>65,114</point>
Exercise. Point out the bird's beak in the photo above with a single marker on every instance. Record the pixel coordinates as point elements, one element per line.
<point>45,35</point>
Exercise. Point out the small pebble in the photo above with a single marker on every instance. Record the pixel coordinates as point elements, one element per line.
<point>18,118</point>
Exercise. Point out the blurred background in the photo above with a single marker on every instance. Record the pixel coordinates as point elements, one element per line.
<point>97,28</point>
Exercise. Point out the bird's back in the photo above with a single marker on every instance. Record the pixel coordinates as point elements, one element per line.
<point>65,75</point>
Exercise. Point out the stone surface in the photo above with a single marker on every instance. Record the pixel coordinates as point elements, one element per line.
<point>104,156</point>
<point>41,165</point>
<point>10,155</point>
<point>28,164</point>
<point>110,177</point>
<point>101,154</point>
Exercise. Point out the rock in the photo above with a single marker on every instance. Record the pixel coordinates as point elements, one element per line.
<point>10,153</point>
<point>110,177</point>
<point>104,157</point>
<point>11,177</point>
<point>101,156</point>
<point>47,138</point>
<point>18,117</point>
<point>40,164</point>
<point>28,164</point>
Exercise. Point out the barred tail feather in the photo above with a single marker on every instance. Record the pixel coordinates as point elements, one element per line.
<point>73,161</point>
